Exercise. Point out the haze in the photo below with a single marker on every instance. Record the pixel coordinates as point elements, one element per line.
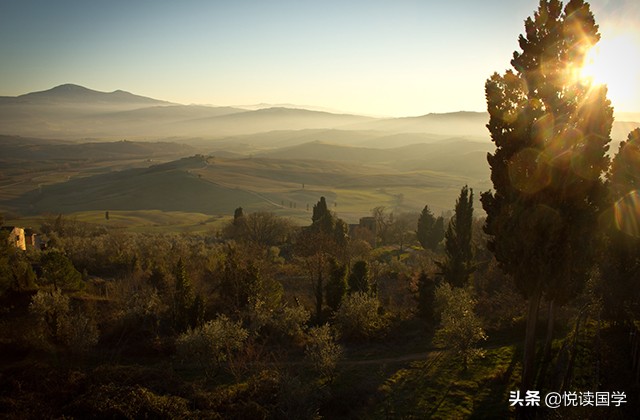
<point>379,58</point>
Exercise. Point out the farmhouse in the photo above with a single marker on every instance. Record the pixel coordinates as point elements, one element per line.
<point>16,236</point>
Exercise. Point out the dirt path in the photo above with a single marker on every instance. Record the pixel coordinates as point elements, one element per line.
<point>434,355</point>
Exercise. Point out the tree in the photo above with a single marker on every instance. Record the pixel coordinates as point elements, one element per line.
<point>212,344</point>
<point>238,214</point>
<point>551,129</point>
<point>460,328</point>
<point>430,231</point>
<point>265,229</point>
<point>426,297</point>
<point>322,350</point>
<point>336,286</point>
<point>183,298</point>
<point>621,263</point>
<point>359,317</point>
<point>457,265</point>
<point>326,238</point>
<point>322,217</point>
<point>359,278</point>
<point>401,229</point>
<point>58,270</point>
<point>384,222</point>
<point>57,323</point>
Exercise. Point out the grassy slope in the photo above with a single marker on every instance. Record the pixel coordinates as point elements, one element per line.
<point>217,186</point>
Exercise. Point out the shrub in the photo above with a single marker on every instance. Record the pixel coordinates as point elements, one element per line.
<point>358,317</point>
<point>57,324</point>
<point>322,351</point>
<point>212,344</point>
<point>460,328</point>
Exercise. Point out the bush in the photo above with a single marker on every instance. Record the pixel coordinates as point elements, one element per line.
<point>358,317</point>
<point>57,324</point>
<point>212,344</point>
<point>322,351</point>
<point>460,328</point>
<point>129,402</point>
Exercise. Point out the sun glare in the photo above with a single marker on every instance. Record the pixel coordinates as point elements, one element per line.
<point>615,62</point>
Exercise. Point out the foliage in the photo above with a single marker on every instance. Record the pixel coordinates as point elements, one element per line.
<point>460,328</point>
<point>322,217</point>
<point>289,321</point>
<point>457,265</point>
<point>188,310</point>
<point>260,228</point>
<point>118,401</point>
<point>551,130</point>
<point>245,287</point>
<point>336,286</point>
<point>621,262</point>
<point>212,344</point>
<point>430,230</point>
<point>315,248</point>
<point>426,295</point>
<point>322,350</point>
<point>58,324</point>
<point>359,278</point>
<point>359,317</point>
<point>58,271</point>
<point>15,267</point>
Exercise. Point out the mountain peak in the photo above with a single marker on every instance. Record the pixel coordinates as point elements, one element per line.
<point>70,92</point>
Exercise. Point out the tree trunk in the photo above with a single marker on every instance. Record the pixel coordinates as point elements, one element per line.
<point>550,327</point>
<point>528,365</point>
<point>319,296</point>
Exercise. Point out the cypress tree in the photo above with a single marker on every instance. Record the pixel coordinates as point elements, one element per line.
<point>457,265</point>
<point>551,130</point>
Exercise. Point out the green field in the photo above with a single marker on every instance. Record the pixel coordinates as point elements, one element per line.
<point>152,194</point>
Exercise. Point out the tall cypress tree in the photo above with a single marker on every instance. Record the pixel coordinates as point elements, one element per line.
<point>457,265</point>
<point>621,263</point>
<point>551,130</point>
<point>322,218</point>
<point>183,298</point>
<point>336,287</point>
<point>430,230</point>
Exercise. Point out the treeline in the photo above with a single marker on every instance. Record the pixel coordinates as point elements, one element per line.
<point>262,290</point>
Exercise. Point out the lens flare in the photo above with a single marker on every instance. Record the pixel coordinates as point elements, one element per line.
<point>627,214</point>
<point>529,171</point>
<point>615,61</point>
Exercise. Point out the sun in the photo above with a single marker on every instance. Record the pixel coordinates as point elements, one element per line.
<point>615,62</point>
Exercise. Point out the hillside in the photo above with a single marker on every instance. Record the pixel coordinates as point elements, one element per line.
<point>21,148</point>
<point>70,93</point>
<point>216,186</point>
<point>72,112</point>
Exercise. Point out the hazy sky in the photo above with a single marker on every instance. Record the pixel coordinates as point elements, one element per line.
<point>379,57</point>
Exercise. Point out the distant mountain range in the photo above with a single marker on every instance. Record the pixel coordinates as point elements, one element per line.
<point>72,112</point>
<point>70,93</point>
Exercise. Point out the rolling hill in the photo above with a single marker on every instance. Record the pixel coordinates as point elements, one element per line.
<point>216,186</point>
<point>72,112</point>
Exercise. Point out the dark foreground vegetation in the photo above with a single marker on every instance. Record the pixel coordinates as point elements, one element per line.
<point>401,316</point>
<point>269,320</point>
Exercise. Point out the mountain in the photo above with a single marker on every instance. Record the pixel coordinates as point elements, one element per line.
<point>457,156</point>
<point>70,94</point>
<point>30,149</point>
<point>265,120</point>
<point>72,112</point>
<point>447,124</point>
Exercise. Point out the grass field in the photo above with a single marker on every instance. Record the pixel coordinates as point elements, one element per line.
<point>151,221</point>
<point>211,186</point>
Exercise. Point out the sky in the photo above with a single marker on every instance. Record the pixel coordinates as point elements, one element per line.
<point>374,57</point>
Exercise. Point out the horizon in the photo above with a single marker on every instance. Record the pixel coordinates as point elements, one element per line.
<point>406,59</point>
<point>264,105</point>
